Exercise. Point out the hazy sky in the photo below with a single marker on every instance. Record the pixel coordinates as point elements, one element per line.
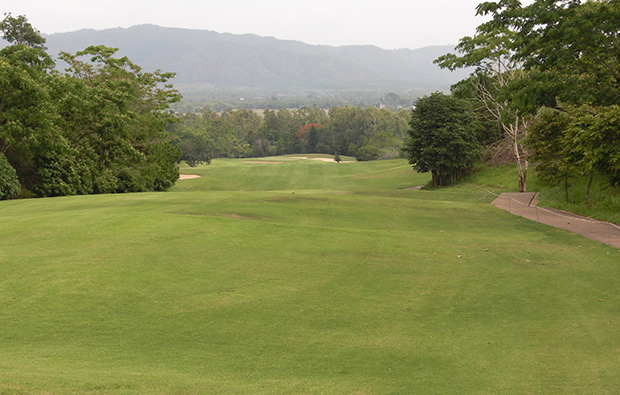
<point>388,24</point>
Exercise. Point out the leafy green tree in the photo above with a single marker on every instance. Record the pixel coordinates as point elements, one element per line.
<point>98,128</point>
<point>378,133</point>
<point>550,148</point>
<point>307,116</point>
<point>569,47</point>
<point>308,136</point>
<point>593,137</point>
<point>277,129</point>
<point>194,136</point>
<point>441,140</point>
<point>351,127</point>
<point>29,137</point>
<point>114,113</point>
<point>242,123</point>
<point>580,141</point>
<point>313,137</point>
<point>569,50</point>
<point>382,145</point>
<point>489,51</point>
<point>196,148</point>
<point>17,30</point>
<point>489,130</point>
<point>9,184</point>
<point>368,152</point>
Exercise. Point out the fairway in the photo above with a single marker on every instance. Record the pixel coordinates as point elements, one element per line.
<point>301,276</point>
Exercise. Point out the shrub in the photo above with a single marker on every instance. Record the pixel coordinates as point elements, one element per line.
<point>9,183</point>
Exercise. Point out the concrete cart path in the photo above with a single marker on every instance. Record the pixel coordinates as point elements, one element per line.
<point>525,205</point>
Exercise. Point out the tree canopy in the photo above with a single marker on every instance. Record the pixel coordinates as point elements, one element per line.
<point>17,30</point>
<point>366,133</point>
<point>551,55</point>
<point>441,138</point>
<point>569,47</point>
<point>99,127</point>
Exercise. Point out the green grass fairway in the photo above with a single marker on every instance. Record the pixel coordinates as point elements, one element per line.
<point>301,277</point>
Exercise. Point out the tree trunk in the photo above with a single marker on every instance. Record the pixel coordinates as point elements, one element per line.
<point>522,167</point>
<point>566,189</point>
<point>522,163</point>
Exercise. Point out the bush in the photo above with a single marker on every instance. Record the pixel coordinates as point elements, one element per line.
<point>368,152</point>
<point>9,183</point>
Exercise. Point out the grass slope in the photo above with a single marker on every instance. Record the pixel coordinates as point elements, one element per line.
<point>604,198</point>
<point>232,283</point>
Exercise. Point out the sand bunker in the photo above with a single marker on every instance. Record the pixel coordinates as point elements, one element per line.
<point>261,161</point>
<point>188,176</point>
<point>298,157</point>
<point>331,160</point>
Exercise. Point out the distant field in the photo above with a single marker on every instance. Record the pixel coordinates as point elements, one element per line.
<point>301,277</point>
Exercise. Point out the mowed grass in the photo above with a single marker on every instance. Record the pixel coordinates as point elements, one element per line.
<point>301,277</point>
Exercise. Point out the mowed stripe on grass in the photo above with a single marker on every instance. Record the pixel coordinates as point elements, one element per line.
<point>232,283</point>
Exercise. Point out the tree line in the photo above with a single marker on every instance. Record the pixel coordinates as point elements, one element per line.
<point>97,127</point>
<point>365,133</point>
<point>548,74</point>
<point>254,98</point>
<point>105,126</point>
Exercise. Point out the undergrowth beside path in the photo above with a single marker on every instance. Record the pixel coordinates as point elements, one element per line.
<point>605,199</point>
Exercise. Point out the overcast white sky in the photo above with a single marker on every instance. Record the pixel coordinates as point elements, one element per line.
<point>388,24</point>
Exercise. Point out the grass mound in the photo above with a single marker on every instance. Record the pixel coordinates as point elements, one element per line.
<point>305,277</point>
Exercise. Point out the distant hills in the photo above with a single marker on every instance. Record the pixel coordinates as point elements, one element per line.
<point>207,61</point>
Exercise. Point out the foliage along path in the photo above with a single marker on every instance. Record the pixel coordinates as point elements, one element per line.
<point>524,205</point>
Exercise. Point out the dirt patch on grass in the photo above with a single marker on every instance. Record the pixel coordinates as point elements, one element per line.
<point>188,176</point>
<point>416,188</point>
<point>237,216</point>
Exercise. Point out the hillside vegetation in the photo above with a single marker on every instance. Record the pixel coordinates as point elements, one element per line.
<point>300,276</point>
<point>206,61</point>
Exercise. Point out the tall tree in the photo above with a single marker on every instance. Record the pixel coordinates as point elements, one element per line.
<point>571,52</point>
<point>570,48</point>
<point>114,113</point>
<point>551,149</point>
<point>578,141</point>
<point>17,30</point>
<point>440,138</point>
<point>489,51</point>
<point>98,128</point>
<point>593,137</point>
<point>29,137</point>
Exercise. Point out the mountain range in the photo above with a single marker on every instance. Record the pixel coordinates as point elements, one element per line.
<point>207,61</point>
